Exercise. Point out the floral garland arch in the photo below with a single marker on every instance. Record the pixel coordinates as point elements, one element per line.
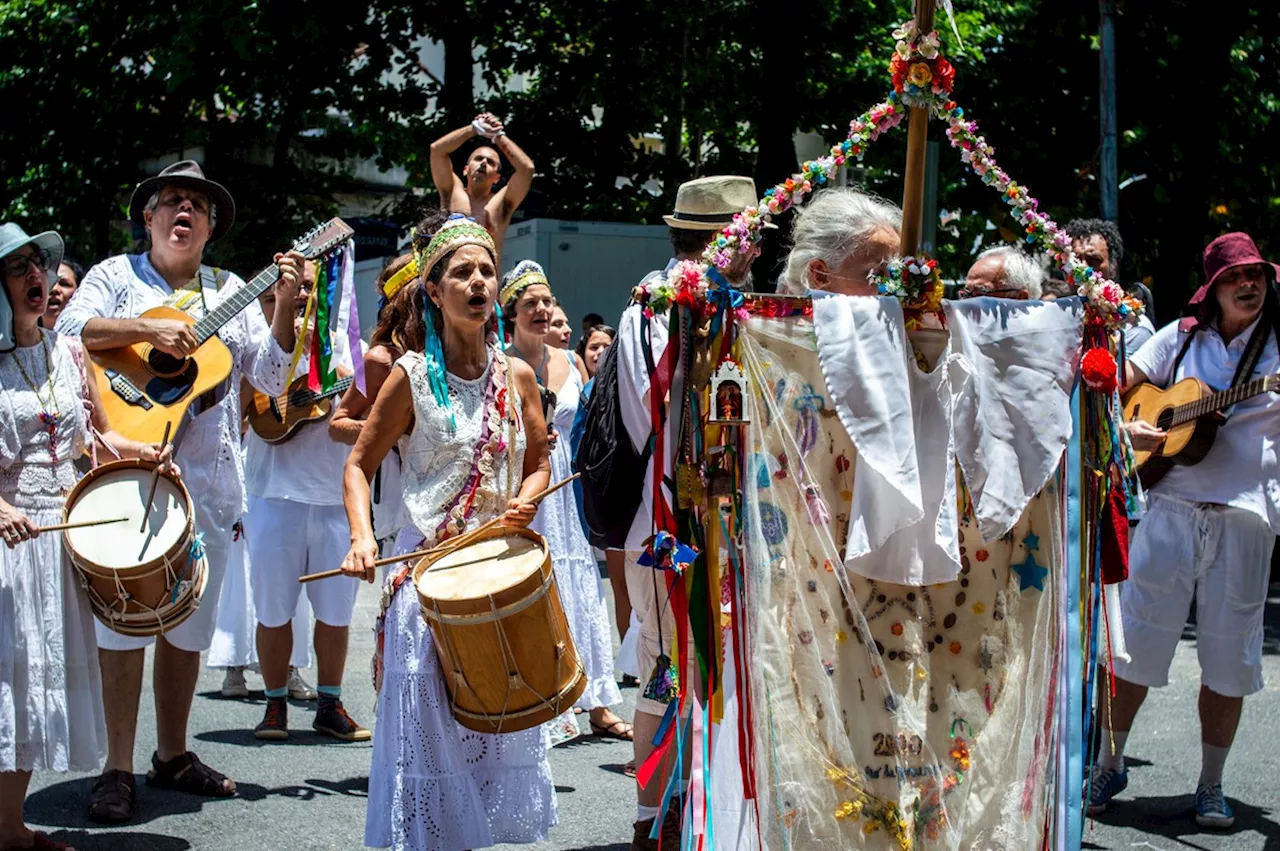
<point>922,77</point>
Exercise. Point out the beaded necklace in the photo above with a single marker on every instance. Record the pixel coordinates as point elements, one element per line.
<point>50,414</point>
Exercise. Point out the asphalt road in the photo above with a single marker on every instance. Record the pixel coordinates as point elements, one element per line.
<point>310,793</point>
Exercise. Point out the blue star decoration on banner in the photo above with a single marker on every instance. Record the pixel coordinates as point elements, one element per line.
<point>1030,574</point>
<point>1031,542</point>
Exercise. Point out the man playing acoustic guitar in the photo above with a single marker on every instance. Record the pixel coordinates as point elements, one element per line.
<point>182,211</point>
<point>1209,529</point>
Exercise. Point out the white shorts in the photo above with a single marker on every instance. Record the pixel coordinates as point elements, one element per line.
<point>1220,556</point>
<point>195,634</point>
<point>290,539</point>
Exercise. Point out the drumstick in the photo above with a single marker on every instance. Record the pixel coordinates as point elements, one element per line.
<point>452,543</point>
<point>155,479</point>
<point>58,527</point>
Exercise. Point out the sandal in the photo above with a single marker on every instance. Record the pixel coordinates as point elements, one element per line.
<point>187,773</point>
<point>611,731</point>
<point>629,770</point>
<point>111,801</point>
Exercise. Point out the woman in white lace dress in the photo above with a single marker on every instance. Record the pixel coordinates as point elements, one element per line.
<point>526,309</point>
<point>433,784</point>
<point>50,693</point>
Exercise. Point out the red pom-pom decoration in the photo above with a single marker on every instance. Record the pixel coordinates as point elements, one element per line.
<point>1098,368</point>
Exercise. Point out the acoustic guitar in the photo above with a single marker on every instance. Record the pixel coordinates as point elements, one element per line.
<point>143,389</point>
<point>1190,414</point>
<point>275,419</point>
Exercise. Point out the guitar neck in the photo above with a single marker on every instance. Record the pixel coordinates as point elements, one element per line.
<point>1224,399</point>
<point>235,302</point>
<point>301,398</point>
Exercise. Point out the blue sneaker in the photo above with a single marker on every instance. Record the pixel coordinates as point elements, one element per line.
<point>1105,784</point>
<point>1212,809</point>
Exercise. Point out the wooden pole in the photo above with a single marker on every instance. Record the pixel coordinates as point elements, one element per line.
<point>917,135</point>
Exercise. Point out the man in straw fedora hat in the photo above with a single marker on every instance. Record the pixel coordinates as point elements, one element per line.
<point>182,211</point>
<point>703,207</point>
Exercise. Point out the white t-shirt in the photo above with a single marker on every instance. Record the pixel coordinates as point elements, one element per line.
<point>307,468</point>
<point>633,387</point>
<point>1240,469</point>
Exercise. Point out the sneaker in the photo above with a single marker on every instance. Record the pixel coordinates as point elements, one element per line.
<point>1212,809</point>
<point>275,723</point>
<point>1104,785</point>
<point>299,689</point>
<point>332,720</point>
<point>233,684</point>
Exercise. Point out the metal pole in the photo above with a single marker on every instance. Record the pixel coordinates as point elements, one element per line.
<point>1108,177</point>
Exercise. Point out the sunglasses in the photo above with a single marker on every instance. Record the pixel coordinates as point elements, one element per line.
<point>15,265</point>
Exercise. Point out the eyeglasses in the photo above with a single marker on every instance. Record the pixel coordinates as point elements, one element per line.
<point>15,265</point>
<point>1004,292</point>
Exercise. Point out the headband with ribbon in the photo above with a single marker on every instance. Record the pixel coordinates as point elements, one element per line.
<point>396,282</point>
<point>527,274</point>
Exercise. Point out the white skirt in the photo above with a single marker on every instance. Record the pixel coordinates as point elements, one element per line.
<point>50,687</point>
<point>578,580</point>
<point>434,784</point>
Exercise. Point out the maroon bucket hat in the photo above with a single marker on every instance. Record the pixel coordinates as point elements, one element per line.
<point>1227,252</point>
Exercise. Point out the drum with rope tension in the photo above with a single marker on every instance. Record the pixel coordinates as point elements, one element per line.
<point>141,581</point>
<point>500,631</point>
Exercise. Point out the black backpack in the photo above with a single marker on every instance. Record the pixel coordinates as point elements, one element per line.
<point>612,471</point>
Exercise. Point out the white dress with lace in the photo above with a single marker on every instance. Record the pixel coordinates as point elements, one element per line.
<point>577,574</point>
<point>433,783</point>
<point>50,691</point>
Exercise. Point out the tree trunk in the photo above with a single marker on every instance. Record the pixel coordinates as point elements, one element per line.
<point>456,95</point>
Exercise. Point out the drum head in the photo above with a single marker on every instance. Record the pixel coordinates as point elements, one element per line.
<point>484,568</point>
<point>120,493</point>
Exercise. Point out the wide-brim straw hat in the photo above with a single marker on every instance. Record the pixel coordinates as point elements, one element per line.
<point>189,174</point>
<point>710,203</point>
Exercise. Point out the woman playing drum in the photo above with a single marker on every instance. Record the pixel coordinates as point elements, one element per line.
<point>50,692</point>
<point>399,330</point>
<point>476,450</point>
<point>526,310</point>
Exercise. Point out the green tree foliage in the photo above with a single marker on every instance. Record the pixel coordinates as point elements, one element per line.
<point>622,97</point>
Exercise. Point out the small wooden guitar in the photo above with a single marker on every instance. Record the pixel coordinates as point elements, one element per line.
<point>276,419</point>
<point>143,389</point>
<point>1190,413</point>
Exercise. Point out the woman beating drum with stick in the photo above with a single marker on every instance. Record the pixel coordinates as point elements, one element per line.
<point>50,691</point>
<point>476,450</point>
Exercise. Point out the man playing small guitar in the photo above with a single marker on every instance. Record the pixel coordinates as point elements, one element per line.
<point>182,211</point>
<point>1209,529</point>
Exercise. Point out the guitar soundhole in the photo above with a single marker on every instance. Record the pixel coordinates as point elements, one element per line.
<point>1165,420</point>
<point>164,364</point>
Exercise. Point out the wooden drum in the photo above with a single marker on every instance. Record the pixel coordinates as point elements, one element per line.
<point>140,581</point>
<point>503,640</point>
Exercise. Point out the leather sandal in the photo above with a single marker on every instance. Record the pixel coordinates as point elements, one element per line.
<point>186,773</point>
<point>611,731</point>
<point>112,798</point>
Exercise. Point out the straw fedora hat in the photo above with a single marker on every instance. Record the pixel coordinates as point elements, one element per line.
<point>709,203</point>
<point>189,174</point>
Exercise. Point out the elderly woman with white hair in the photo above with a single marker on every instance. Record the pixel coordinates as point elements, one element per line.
<point>840,238</point>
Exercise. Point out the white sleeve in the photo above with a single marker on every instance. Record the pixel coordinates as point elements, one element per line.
<point>1156,356</point>
<point>99,296</point>
<point>262,361</point>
